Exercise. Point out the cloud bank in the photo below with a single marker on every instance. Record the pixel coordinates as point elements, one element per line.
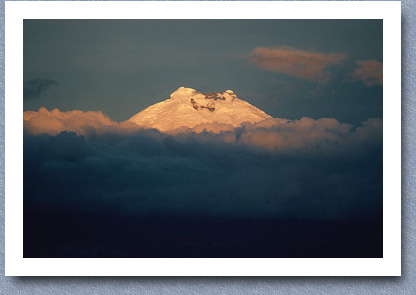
<point>303,64</point>
<point>275,134</point>
<point>277,168</point>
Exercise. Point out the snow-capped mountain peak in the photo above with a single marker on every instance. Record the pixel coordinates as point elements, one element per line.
<point>188,107</point>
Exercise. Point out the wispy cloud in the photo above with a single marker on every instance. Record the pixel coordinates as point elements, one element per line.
<point>370,72</point>
<point>32,89</point>
<point>303,64</point>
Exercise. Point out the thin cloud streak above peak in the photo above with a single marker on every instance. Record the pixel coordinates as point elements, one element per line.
<point>370,72</point>
<point>303,64</point>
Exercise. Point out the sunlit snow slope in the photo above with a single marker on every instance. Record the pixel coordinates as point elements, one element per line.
<point>187,107</point>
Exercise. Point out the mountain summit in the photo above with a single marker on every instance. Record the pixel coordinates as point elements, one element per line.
<point>188,107</point>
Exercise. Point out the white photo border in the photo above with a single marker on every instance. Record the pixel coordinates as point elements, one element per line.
<point>389,265</point>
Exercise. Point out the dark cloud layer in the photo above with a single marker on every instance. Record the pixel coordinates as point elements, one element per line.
<point>32,89</point>
<point>201,174</point>
<point>148,194</point>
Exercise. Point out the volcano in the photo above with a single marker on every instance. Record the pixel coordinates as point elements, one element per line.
<point>189,108</point>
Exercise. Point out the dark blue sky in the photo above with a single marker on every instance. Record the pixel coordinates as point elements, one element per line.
<point>313,68</point>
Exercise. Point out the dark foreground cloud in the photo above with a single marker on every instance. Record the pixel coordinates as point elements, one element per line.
<point>32,89</point>
<point>258,173</point>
